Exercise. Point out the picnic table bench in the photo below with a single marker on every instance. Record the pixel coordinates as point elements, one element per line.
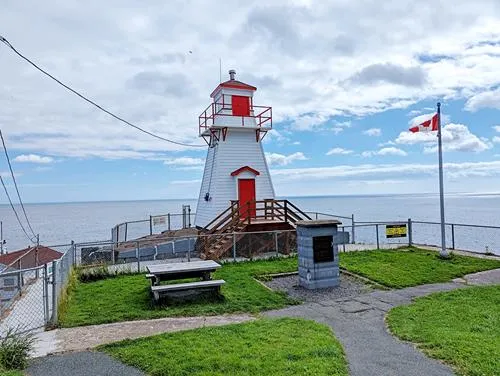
<point>175,271</point>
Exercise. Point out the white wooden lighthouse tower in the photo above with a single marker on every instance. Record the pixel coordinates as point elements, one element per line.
<point>235,168</point>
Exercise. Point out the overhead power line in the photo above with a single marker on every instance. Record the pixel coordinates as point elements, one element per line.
<point>15,211</point>
<point>15,184</point>
<point>8,44</point>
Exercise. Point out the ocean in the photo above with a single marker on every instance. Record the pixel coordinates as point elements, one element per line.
<point>59,223</point>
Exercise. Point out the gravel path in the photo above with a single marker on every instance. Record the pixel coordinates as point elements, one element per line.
<point>80,364</point>
<point>349,286</point>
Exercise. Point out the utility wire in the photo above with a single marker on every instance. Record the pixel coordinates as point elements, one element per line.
<point>15,184</point>
<point>7,43</point>
<point>15,211</point>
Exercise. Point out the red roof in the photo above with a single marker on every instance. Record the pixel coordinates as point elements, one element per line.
<point>45,255</point>
<point>245,168</point>
<point>233,84</point>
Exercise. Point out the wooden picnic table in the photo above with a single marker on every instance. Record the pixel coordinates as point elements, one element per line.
<point>181,270</point>
<point>168,272</point>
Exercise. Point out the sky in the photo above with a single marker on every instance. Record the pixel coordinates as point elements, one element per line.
<point>345,78</point>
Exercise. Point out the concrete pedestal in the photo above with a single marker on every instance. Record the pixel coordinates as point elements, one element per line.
<point>317,247</point>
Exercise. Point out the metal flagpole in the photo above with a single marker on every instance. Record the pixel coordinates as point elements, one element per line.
<point>443,252</point>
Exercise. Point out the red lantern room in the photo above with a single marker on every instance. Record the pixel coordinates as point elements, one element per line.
<point>233,107</point>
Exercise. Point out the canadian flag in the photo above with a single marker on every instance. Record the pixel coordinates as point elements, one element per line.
<point>427,126</point>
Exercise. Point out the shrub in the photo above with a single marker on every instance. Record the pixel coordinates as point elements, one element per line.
<point>15,348</point>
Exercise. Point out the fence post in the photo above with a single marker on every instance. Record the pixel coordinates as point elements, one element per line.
<point>189,249</point>
<point>53,319</point>
<point>150,225</point>
<point>410,233</point>
<point>276,242</point>
<point>45,294</point>
<point>343,244</point>
<point>234,246</point>
<point>189,216</point>
<point>73,251</point>
<point>376,229</point>
<point>137,252</point>
<point>126,230</point>
<point>452,236</point>
<point>168,221</point>
<point>353,231</point>
<point>316,215</point>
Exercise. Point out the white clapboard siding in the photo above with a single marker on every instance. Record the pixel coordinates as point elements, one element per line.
<point>238,150</point>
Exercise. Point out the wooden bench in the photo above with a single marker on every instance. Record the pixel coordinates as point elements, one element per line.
<point>165,290</point>
<point>152,278</point>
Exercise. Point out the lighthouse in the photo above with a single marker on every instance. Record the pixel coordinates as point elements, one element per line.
<point>236,171</point>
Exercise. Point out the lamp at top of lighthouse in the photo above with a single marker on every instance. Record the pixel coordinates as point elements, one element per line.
<point>233,107</point>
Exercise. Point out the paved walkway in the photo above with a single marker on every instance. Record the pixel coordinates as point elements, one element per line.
<point>358,323</point>
<point>80,364</point>
<point>87,337</point>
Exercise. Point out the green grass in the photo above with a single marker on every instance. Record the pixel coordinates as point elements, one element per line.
<point>461,327</point>
<point>10,373</point>
<point>127,297</point>
<point>411,267</point>
<point>263,347</point>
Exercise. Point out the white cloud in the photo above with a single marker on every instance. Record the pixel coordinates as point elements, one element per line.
<point>33,158</point>
<point>186,182</point>
<point>373,132</point>
<point>497,128</point>
<point>336,151</point>
<point>364,171</point>
<point>392,151</point>
<point>485,99</point>
<point>184,161</point>
<point>296,143</point>
<point>283,160</point>
<point>161,82</point>
<point>456,137</point>
<point>385,151</point>
<point>496,139</point>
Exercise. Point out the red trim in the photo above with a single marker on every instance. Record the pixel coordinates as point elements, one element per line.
<point>245,168</point>
<point>232,85</point>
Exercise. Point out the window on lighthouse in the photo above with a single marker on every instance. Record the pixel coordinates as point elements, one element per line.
<point>241,105</point>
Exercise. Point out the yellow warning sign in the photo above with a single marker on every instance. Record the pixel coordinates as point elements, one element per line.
<point>395,231</point>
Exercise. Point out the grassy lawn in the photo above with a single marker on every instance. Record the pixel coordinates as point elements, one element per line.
<point>461,328</point>
<point>10,373</point>
<point>411,267</point>
<point>127,297</point>
<point>262,347</point>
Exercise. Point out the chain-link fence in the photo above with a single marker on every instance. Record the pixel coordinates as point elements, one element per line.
<point>30,297</point>
<point>155,224</point>
<point>24,299</point>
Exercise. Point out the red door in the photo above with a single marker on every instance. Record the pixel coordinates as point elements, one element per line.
<point>246,193</point>
<point>241,105</point>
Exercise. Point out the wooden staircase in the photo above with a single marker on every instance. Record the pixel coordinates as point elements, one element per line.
<point>231,225</point>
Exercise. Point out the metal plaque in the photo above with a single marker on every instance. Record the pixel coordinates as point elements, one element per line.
<point>323,248</point>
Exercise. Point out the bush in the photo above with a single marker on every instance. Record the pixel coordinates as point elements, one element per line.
<point>14,349</point>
